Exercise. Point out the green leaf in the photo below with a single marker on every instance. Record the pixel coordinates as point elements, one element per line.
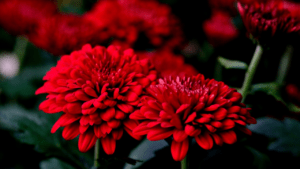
<point>144,152</point>
<point>30,127</point>
<point>287,133</point>
<point>273,89</point>
<point>22,85</point>
<point>268,126</point>
<point>54,163</point>
<point>232,64</point>
<point>260,160</point>
<point>34,128</point>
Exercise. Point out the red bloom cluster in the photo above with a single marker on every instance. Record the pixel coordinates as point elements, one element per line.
<point>193,107</point>
<point>268,22</point>
<point>61,34</point>
<point>168,64</point>
<point>219,29</point>
<point>22,17</point>
<point>96,89</point>
<point>117,20</point>
<point>129,18</point>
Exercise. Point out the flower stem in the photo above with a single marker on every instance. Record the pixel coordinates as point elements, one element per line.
<point>184,163</point>
<point>20,48</point>
<point>97,154</point>
<point>251,71</point>
<point>218,71</point>
<point>284,64</point>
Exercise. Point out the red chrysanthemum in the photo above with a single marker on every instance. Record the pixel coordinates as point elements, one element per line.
<point>168,64</point>
<point>268,22</point>
<point>193,107</point>
<point>219,29</point>
<point>96,88</point>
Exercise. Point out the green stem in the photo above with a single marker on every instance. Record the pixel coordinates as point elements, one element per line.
<point>97,154</point>
<point>218,71</point>
<point>284,64</point>
<point>20,48</point>
<point>251,71</point>
<point>184,163</point>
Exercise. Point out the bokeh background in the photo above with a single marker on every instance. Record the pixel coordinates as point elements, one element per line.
<point>212,34</point>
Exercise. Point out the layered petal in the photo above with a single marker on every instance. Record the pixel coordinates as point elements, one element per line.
<point>191,107</point>
<point>179,149</point>
<point>97,89</point>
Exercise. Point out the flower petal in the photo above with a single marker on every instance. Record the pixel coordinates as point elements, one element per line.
<point>205,141</point>
<point>158,133</point>
<point>179,149</point>
<point>108,114</point>
<point>117,134</point>
<point>228,137</point>
<point>220,114</point>
<point>86,141</point>
<point>108,144</point>
<point>71,131</point>
<point>179,135</point>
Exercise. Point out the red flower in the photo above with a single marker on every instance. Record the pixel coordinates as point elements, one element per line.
<point>96,89</point>
<point>62,34</point>
<point>21,17</point>
<point>293,93</point>
<point>293,8</point>
<point>168,64</point>
<point>268,22</point>
<point>155,20</point>
<point>119,22</point>
<point>193,107</point>
<point>219,29</point>
<point>125,20</point>
<point>224,5</point>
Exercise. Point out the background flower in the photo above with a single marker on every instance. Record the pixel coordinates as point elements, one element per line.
<point>220,29</point>
<point>60,33</point>
<point>168,64</point>
<point>268,22</point>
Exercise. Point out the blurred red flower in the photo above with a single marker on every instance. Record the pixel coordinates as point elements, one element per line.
<point>293,8</point>
<point>168,64</point>
<point>96,89</point>
<point>117,21</point>
<point>223,5</point>
<point>125,20</point>
<point>294,93</point>
<point>219,29</point>
<point>22,17</point>
<point>62,34</point>
<point>192,107</point>
<point>268,22</point>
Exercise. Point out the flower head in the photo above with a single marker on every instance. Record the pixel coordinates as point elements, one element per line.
<point>62,34</point>
<point>219,29</point>
<point>96,89</point>
<point>193,107</point>
<point>21,17</point>
<point>268,22</point>
<point>168,64</point>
